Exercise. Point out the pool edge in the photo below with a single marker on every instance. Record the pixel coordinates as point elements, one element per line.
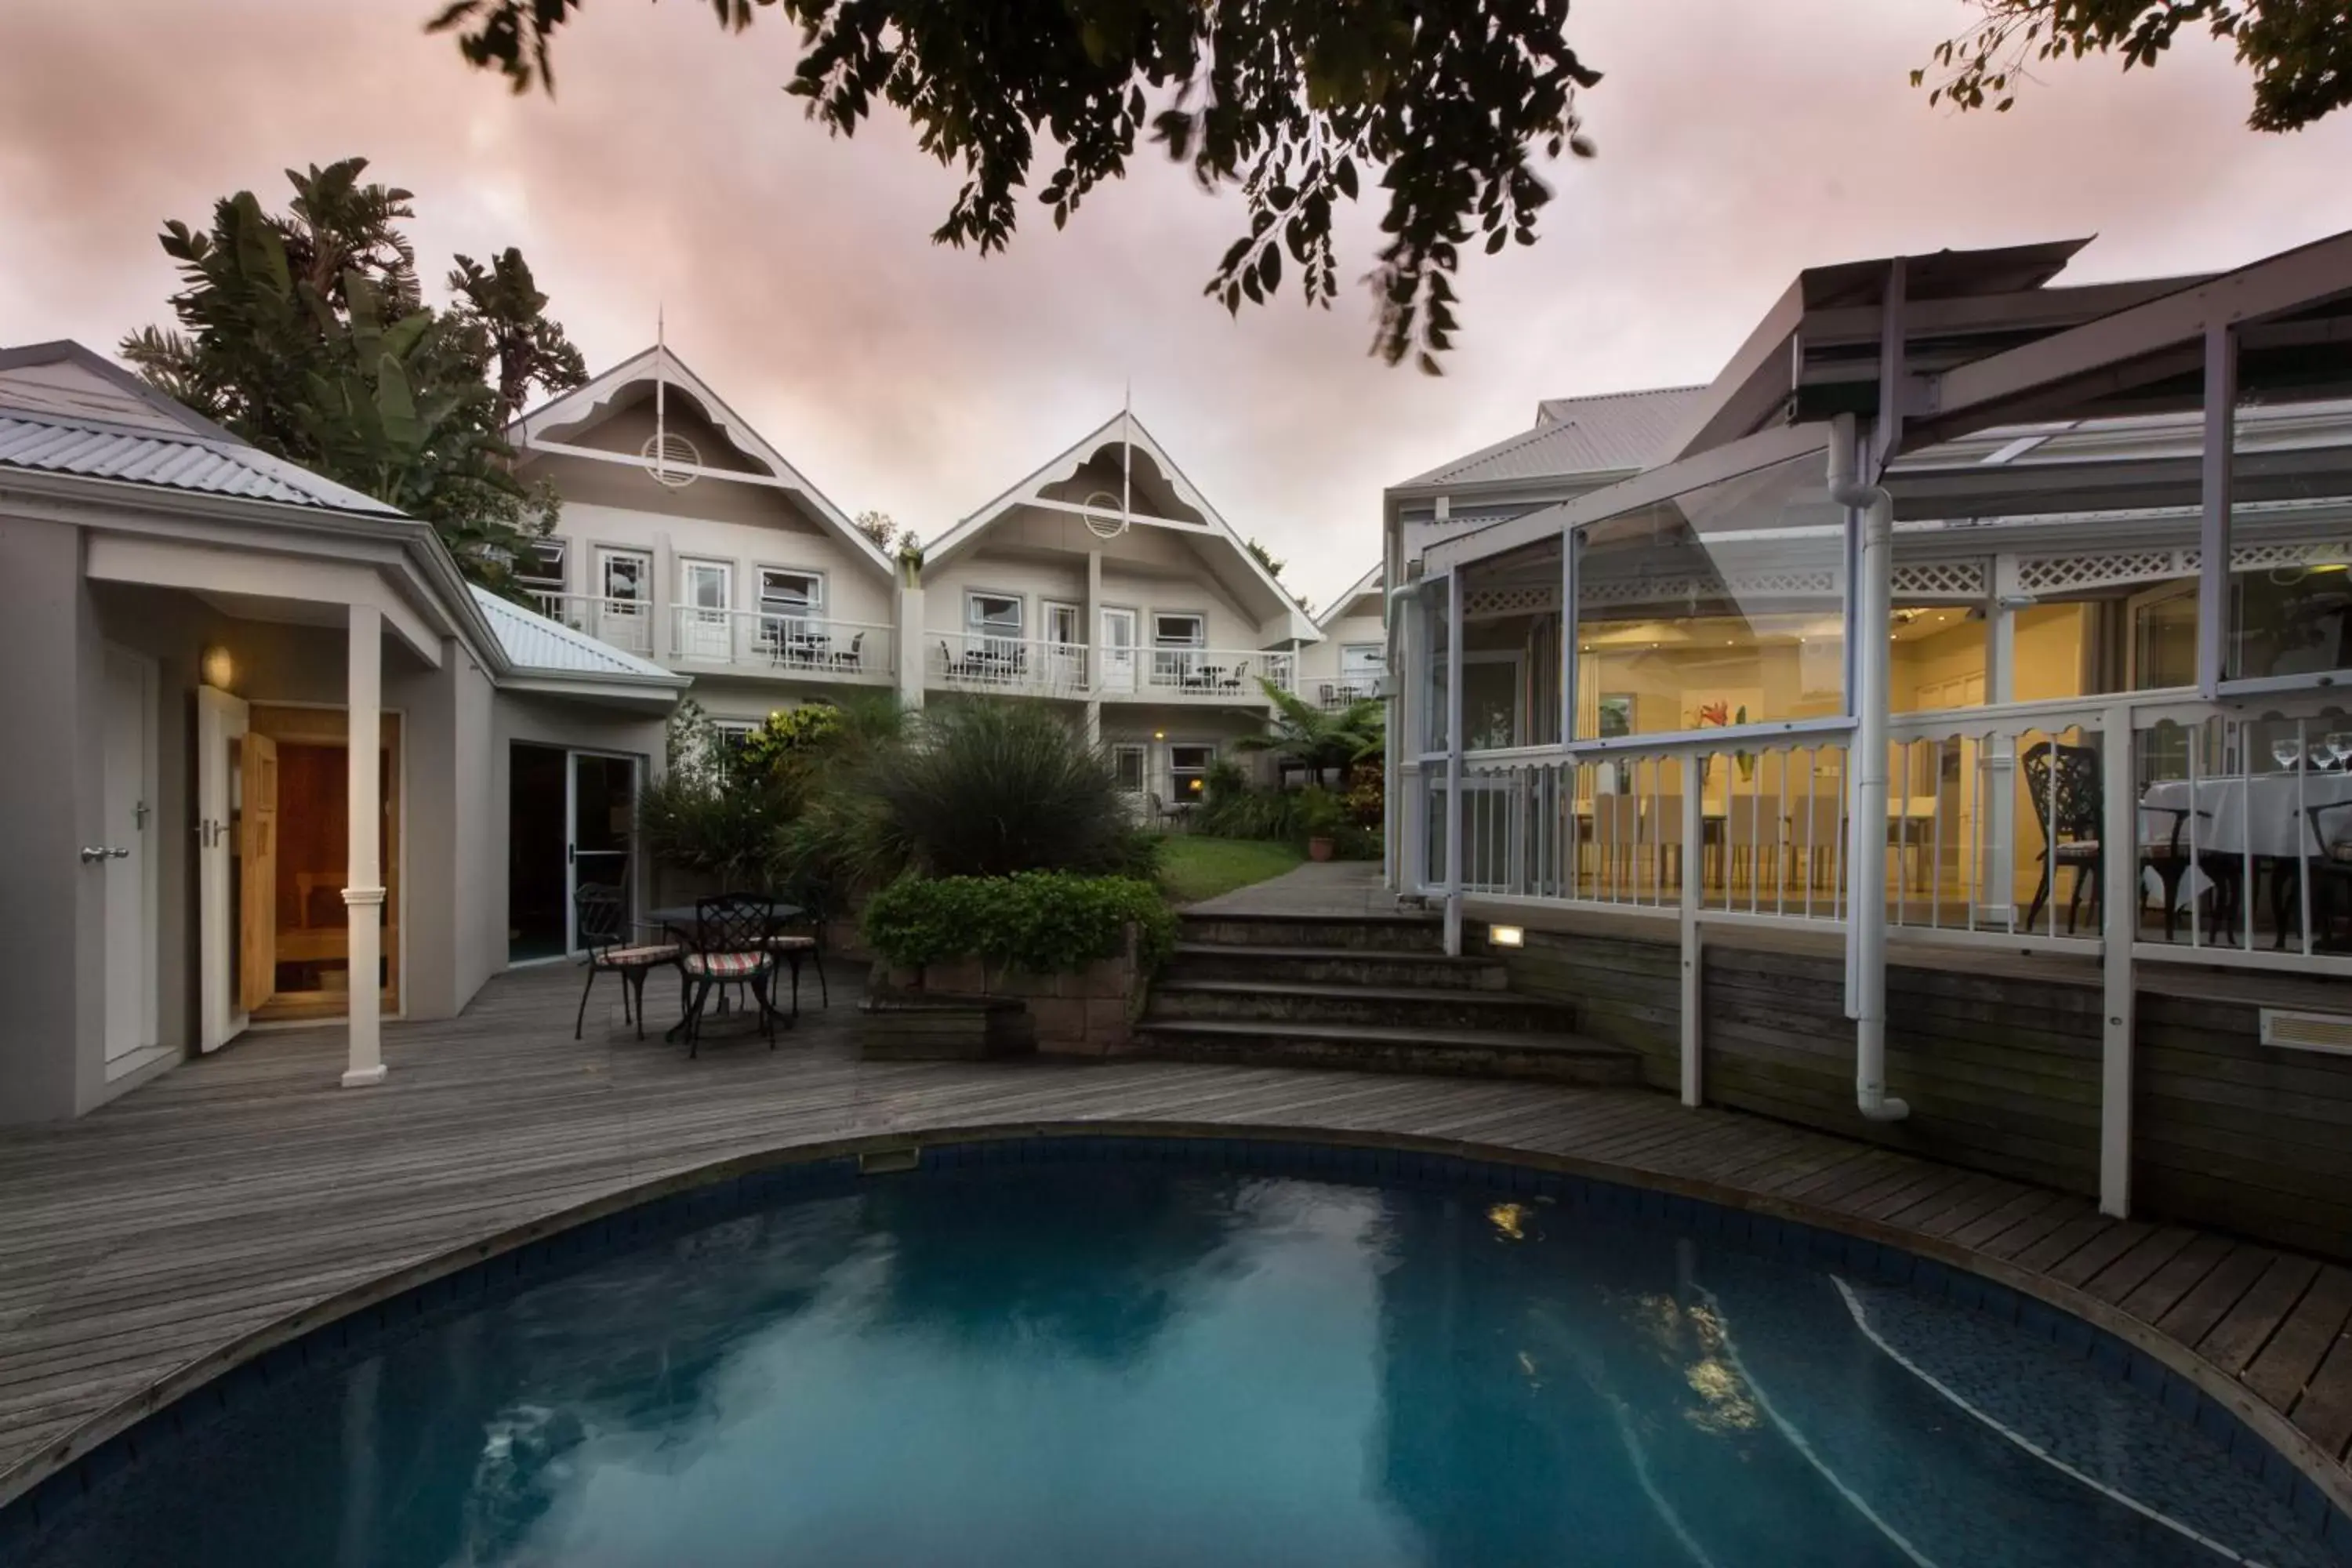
<point>89,1445</point>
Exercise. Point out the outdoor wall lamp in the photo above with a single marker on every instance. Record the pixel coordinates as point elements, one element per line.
<point>219,670</point>
<point>1507,936</point>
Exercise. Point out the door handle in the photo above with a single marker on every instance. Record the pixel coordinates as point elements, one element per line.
<point>91,855</point>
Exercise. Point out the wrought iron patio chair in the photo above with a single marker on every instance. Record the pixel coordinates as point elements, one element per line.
<point>799,940</point>
<point>601,912</point>
<point>730,948</point>
<point>2331,869</point>
<point>2062,793</point>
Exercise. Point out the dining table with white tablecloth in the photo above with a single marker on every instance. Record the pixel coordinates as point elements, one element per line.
<point>2267,815</point>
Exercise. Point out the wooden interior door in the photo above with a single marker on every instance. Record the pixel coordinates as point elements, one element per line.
<point>258,900</point>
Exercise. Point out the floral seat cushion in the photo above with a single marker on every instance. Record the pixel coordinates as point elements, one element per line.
<point>726,966</point>
<point>2079,849</point>
<point>791,944</point>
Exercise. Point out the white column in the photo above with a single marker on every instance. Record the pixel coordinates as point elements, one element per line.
<point>907,606</point>
<point>2120,897</point>
<point>1997,776</point>
<point>1693,937</point>
<point>1091,635</point>
<point>364,899</point>
<point>1453,762</point>
<point>663,588</point>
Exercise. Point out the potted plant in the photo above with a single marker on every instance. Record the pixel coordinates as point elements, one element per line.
<point>1319,818</point>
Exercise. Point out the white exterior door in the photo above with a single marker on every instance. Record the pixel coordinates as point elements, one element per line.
<point>127,838</point>
<point>1118,650</point>
<point>220,735</point>
<point>706,593</point>
<point>625,601</point>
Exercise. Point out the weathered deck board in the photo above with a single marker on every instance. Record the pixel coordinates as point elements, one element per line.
<point>245,1186</point>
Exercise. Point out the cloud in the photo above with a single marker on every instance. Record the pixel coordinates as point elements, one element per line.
<point>1739,144</point>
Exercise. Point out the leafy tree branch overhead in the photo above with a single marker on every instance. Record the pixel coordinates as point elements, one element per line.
<point>2299,51</point>
<point>308,334</point>
<point>1450,107</point>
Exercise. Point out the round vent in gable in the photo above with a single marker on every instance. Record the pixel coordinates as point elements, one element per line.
<point>671,459</point>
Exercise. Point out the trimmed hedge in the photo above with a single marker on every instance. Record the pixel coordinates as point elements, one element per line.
<point>1046,923</point>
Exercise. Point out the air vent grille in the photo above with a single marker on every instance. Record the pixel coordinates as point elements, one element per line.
<point>2330,1032</point>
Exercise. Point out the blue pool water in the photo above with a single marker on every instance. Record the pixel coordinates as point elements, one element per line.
<point>1139,1364</point>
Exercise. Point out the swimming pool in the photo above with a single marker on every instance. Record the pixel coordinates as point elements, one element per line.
<point>1169,1351</point>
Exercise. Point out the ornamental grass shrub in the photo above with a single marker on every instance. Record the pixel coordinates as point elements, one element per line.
<point>1045,923</point>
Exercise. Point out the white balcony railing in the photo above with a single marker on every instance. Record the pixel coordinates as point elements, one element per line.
<point>626,623</point>
<point>1999,824</point>
<point>790,645</point>
<point>1226,674</point>
<point>1345,692</point>
<point>979,661</point>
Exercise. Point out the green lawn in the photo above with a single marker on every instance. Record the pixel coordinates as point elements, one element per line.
<point>1192,868</point>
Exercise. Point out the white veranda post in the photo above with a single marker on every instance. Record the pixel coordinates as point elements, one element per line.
<point>364,899</point>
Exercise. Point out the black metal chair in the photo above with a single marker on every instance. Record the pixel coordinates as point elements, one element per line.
<point>794,948</point>
<point>2331,869</point>
<point>601,914</point>
<point>2170,859</point>
<point>730,948</point>
<point>2062,784</point>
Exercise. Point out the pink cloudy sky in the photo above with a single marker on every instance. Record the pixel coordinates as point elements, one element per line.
<point>1739,142</point>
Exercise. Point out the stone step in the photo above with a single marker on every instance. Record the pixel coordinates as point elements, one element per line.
<point>1334,965</point>
<point>1386,1005</point>
<point>1362,933</point>
<point>1476,1053</point>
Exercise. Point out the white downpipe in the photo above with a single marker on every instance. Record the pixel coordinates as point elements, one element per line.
<point>1453,846</point>
<point>1874,591</point>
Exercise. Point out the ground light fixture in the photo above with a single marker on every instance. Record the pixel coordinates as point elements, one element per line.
<point>1507,936</point>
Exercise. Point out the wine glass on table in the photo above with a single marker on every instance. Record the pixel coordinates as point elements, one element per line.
<point>2286,751</point>
<point>2339,745</point>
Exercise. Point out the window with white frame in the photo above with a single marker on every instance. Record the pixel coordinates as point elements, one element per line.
<point>623,574</point>
<point>705,584</point>
<point>1179,630</point>
<point>540,566</point>
<point>1064,623</point>
<point>993,617</point>
<point>1361,663</point>
<point>1127,763</point>
<point>1188,770</point>
<point>784,591</point>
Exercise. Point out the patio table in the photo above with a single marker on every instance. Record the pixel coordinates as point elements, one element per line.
<point>682,919</point>
<point>2267,816</point>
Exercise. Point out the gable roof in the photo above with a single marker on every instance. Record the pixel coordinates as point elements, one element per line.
<point>529,432</point>
<point>65,410</point>
<point>540,645</point>
<point>1613,432</point>
<point>1124,426</point>
<point>1338,609</point>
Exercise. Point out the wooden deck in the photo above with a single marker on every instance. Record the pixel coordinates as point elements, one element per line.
<point>245,1186</point>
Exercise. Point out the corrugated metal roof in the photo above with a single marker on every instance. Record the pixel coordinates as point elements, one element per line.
<point>97,450</point>
<point>535,643</point>
<point>1611,433</point>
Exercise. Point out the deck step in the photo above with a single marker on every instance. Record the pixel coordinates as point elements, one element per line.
<point>1374,933</point>
<point>1478,1053</point>
<point>1407,1007</point>
<point>1334,965</point>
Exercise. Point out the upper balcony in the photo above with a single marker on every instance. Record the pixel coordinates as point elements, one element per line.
<point>1034,667</point>
<point>797,647</point>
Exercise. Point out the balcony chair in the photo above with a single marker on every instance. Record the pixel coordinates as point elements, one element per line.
<point>2063,796</point>
<point>600,913</point>
<point>794,948</point>
<point>2331,870</point>
<point>730,948</point>
<point>851,657</point>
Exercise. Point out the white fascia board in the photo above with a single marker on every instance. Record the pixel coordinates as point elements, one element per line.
<point>1338,608</point>
<point>584,402</point>
<point>155,560</point>
<point>2307,275</point>
<point>1764,448</point>
<point>1071,459</point>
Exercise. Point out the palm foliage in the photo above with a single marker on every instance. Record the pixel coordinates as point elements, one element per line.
<point>1319,740</point>
<point>307,333</point>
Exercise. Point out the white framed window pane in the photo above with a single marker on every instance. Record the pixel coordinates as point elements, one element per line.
<point>1127,763</point>
<point>1061,624</point>
<point>1179,631</point>
<point>1362,660</point>
<point>625,576</point>
<point>706,585</point>
<point>1188,770</point>
<point>542,565</point>
<point>791,593</point>
<point>997,615</point>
